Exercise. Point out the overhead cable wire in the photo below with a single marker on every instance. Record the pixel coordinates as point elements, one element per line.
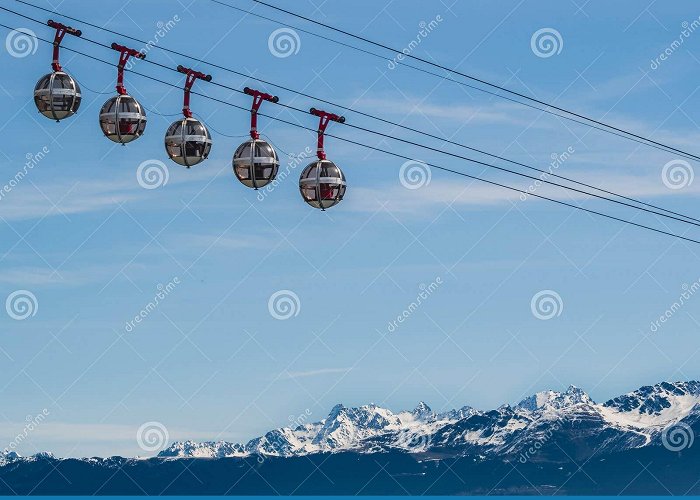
<point>398,155</point>
<point>378,118</point>
<point>671,215</point>
<point>545,172</point>
<point>474,78</point>
<point>660,147</point>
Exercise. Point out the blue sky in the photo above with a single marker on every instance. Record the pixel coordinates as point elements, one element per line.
<point>211,361</point>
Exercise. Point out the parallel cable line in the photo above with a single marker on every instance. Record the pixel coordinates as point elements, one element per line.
<point>391,153</point>
<point>477,79</point>
<point>675,215</point>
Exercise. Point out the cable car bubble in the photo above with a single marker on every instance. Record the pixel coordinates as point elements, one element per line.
<point>57,95</point>
<point>255,162</point>
<point>122,118</point>
<point>188,141</point>
<point>322,184</point>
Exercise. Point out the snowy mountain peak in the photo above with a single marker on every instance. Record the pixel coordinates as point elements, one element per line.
<point>555,400</point>
<point>633,420</point>
<point>422,410</point>
<point>656,399</point>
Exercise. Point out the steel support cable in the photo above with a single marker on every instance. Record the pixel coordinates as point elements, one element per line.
<point>380,150</point>
<point>473,78</point>
<point>661,147</point>
<point>568,179</point>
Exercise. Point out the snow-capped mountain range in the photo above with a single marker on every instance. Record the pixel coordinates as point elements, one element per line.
<point>549,422</point>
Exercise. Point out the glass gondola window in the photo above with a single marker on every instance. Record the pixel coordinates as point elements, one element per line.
<point>322,184</point>
<point>255,162</point>
<point>57,95</point>
<point>122,118</point>
<point>187,141</point>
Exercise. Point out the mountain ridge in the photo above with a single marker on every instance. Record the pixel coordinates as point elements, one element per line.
<point>632,420</point>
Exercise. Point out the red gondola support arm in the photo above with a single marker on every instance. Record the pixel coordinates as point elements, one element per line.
<point>258,98</point>
<point>192,75</point>
<point>61,30</point>
<point>125,53</point>
<point>324,119</point>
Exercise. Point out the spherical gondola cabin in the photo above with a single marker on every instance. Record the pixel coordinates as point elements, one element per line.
<point>188,142</point>
<point>322,184</point>
<point>122,119</point>
<point>57,95</point>
<point>255,163</point>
